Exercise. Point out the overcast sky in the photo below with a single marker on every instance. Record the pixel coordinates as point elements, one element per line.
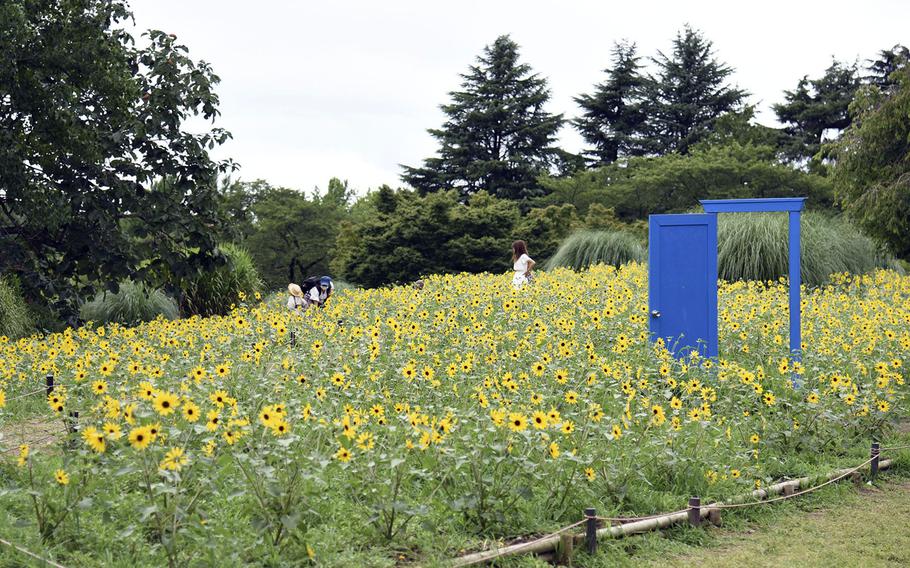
<point>314,90</point>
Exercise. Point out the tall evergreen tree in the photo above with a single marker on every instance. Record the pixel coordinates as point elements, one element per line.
<point>888,61</point>
<point>498,138</point>
<point>613,115</point>
<point>689,92</point>
<point>815,107</point>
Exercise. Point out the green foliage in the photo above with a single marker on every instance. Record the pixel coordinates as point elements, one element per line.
<point>214,291</point>
<point>15,319</point>
<point>585,248</point>
<point>546,227</point>
<point>497,137</point>
<point>406,236</point>
<point>753,246</point>
<point>687,95</point>
<point>638,187</point>
<point>90,121</point>
<point>131,304</point>
<point>872,172</point>
<point>814,107</point>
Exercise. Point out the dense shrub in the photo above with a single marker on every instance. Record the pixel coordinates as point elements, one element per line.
<point>133,303</point>
<point>214,292</point>
<point>753,246</point>
<point>584,248</point>
<point>15,319</point>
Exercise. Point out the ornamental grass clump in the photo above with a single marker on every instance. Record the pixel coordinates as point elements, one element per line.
<point>215,291</point>
<point>584,248</point>
<point>754,246</point>
<point>15,318</point>
<point>131,304</point>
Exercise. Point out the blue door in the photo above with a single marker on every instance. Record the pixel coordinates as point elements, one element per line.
<point>682,282</point>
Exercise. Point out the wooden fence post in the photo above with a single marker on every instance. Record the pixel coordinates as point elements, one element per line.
<point>591,530</point>
<point>873,466</point>
<point>694,511</point>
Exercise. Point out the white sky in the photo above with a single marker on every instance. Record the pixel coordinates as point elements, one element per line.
<point>312,90</point>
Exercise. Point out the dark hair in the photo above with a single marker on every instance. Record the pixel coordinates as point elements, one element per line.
<point>518,248</point>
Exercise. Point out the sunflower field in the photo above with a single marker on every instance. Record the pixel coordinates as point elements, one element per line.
<point>401,425</point>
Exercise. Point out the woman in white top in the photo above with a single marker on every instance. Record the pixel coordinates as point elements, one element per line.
<point>522,264</point>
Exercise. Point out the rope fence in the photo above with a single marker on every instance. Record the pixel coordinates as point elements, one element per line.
<point>31,554</point>
<point>694,512</point>
<point>794,494</point>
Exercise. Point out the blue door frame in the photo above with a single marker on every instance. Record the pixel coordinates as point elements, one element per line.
<point>670,305</point>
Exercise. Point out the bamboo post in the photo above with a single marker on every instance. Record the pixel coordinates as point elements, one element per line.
<point>49,381</point>
<point>591,530</point>
<point>566,547</point>
<point>873,466</point>
<point>694,511</point>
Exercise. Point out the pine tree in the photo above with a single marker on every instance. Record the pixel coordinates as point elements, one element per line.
<point>815,107</point>
<point>889,61</point>
<point>688,94</point>
<point>498,138</point>
<point>613,115</point>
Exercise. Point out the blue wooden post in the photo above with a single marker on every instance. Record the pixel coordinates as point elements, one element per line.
<point>795,332</point>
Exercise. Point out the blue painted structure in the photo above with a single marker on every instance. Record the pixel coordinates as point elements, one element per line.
<point>675,258</point>
<point>682,282</point>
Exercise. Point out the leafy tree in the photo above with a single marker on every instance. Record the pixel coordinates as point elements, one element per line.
<point>235,208</point>
<point>613,117</point>
<point>815,107</point>
<point>872,171</point>
<point>739,127</point>
<point>688,94</point>
<point>888,61</point>
<point>89,121</point>
<point>294,236</point>
<point>498,137</point>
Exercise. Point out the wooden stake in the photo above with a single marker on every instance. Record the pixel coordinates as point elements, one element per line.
<point>49,381</point>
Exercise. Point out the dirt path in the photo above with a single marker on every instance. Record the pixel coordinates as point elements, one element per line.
<point>870,528</point>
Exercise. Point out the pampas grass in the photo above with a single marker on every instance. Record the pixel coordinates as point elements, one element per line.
<point>133,303</point>
<point>584,248</point>
<point>754,246</point>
